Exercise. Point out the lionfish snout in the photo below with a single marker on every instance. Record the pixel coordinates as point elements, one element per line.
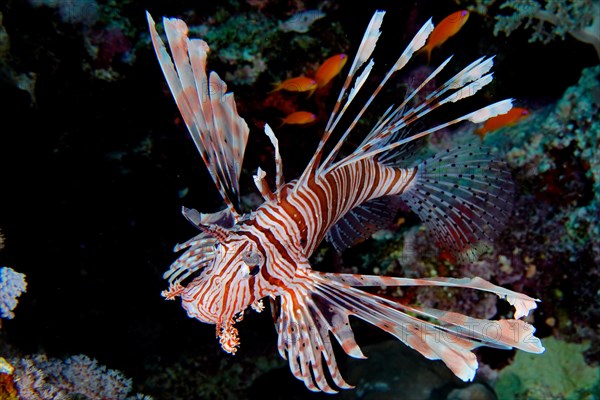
<point>223,291</point>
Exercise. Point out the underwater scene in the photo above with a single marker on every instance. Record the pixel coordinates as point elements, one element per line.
<point>399,199</point>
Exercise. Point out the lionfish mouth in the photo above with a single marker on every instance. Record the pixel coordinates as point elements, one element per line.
<point>228,334</point>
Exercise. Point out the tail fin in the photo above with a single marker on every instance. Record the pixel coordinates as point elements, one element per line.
<point>326,301</point>
<point>427,49</point>
<point>463,196</point>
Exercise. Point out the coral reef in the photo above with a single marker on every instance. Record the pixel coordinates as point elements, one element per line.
<point>556,157</point>
<point>547,18</point>
<point>40,378</point>
<point>246,42</point>
<point>560,150</point>
<point>240,40</point>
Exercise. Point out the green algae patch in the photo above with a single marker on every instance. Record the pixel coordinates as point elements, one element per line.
<point>560,372</point>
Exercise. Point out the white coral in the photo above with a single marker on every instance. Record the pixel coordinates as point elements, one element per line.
<point>12,284</point>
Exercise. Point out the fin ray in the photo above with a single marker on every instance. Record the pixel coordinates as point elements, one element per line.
<point>462,195</point>
<point>210,114</point>
<point>365,49</point>
<point>450,341</point>
<point>303,340</point>
<point>523,304</point>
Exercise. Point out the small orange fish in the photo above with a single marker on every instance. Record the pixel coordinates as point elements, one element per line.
<point>448,27</point>
<point>297,84</point>
<point>299,118</point>
<point>513,116</point>
<point>330,68</point>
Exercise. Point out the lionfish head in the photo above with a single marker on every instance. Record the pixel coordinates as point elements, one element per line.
<point>228,265</point>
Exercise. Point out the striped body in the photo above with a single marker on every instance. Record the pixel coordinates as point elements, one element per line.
<point>286,233</point>
<point>309,210</point>
<point>236,260</point>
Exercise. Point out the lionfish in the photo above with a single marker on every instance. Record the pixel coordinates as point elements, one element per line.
<point>237,259</point>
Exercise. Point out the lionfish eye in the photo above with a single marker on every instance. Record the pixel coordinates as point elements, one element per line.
<point>253,260</point>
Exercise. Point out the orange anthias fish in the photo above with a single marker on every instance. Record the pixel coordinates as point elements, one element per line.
<point>513,116</point>
<point>348,190</point>
<point>297,84</point>
<point>330,68</point>
<point>299,118</point>
<point>448,27</point>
